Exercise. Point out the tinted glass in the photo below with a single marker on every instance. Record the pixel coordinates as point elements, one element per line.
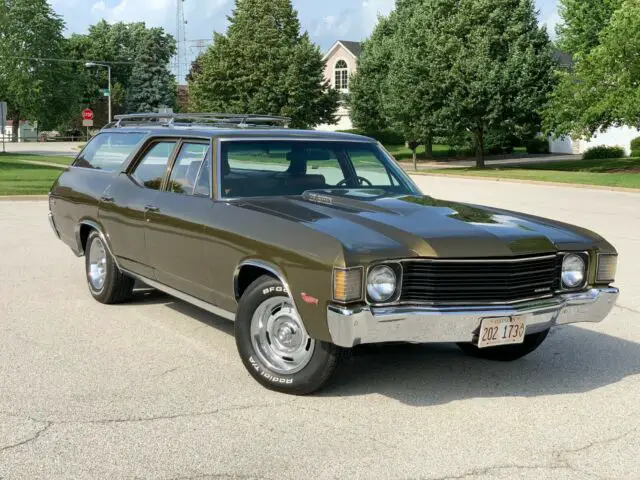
<point>151,169</point>
<point>108,151</point>
<point>187,167</point>
<point>269,168</point>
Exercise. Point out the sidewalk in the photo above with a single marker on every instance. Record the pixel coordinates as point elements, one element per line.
<point>63,149</point>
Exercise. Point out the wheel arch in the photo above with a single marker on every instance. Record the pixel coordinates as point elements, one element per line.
<point>249,270</point>
<point>83,230</point>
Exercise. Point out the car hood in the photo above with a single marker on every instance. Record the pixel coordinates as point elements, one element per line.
<point>373,224</point>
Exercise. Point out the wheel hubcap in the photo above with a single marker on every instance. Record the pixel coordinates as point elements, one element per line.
<point>97,264</point>
<point>279,337</point>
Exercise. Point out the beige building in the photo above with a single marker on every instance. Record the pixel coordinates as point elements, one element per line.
<point>341,62</point>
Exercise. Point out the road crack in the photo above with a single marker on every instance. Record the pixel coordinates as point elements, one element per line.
<point>558,461</point>
<point>32,438</point>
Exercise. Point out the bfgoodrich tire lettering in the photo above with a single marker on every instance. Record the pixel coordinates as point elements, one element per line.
<point>106,282</point>
<point>267,327</point>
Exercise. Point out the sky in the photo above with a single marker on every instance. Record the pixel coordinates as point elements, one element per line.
<point>325,20</point>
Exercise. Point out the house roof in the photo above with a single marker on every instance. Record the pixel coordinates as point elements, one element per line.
<point>354,48</point>
<point>563,59</point>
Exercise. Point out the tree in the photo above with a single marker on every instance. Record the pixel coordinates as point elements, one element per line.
<point>496,63</point>
<point>152,85</point>
<point>121,45</point>
<point>603,90</point>
<point>35,87</point>
<point>366,86</point>
<point>413,92</point>
<point>264,65</point>
<point>583,20</point>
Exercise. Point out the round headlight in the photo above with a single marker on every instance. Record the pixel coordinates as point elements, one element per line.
<point>573,271</point>
<point>381,283</point>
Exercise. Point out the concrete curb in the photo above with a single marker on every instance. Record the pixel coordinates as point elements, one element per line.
<point>23,198</point>
<point>531,182</point>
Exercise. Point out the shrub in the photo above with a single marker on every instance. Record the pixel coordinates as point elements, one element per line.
<point>538,145</point>
<point>635,147</point>
<point>602,152</point>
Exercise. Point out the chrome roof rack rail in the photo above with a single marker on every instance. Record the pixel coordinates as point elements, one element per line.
<point>200,120</point>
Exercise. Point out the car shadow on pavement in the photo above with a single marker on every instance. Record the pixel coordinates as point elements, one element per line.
<point>572,360</point>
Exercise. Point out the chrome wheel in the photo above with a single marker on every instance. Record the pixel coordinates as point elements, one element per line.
<point>279,338</point>
<point>97,264</point>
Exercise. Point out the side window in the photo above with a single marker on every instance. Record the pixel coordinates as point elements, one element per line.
<point>150,171</point>
<point>188,165</point>
<point>108,151</point>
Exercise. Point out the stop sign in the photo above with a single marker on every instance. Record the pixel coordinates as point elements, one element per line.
<point>87,114</point>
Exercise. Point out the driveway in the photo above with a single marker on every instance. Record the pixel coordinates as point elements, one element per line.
<point>154,389</point>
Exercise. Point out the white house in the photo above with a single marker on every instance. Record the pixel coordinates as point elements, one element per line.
<point>612,137</point>
<point>341,62</point>
<point>27,132</point>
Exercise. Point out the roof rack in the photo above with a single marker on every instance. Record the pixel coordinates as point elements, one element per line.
<point>199,119</point>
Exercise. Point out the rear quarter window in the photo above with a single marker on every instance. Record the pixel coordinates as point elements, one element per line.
<point>108,151</point>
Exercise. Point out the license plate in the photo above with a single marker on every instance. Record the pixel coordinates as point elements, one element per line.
<point>501,331</point>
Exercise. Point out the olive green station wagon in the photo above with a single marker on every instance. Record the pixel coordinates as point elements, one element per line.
<point>316,242</point>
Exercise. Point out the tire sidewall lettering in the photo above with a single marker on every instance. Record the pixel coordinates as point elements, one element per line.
<point>278,289</point>
<point>268,375</point>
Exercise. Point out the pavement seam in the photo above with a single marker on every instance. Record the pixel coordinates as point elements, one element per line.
<point>627,309</point>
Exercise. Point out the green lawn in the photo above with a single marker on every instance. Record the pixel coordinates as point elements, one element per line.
<point>19,178</point>
<point>623,172</point>
<point>18,157</point>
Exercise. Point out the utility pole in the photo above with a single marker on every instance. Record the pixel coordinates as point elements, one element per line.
<point>108,67</point>
<point>180,61</point>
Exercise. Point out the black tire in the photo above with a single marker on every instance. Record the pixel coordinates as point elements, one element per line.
<point>117,287</point>
<point>506,353</point>
<point>313,376</point>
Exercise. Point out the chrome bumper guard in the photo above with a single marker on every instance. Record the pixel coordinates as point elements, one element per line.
<point>53,225</point>
<point>350,327</point>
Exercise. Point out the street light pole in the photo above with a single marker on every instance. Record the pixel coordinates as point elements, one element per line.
<point>108,67</point>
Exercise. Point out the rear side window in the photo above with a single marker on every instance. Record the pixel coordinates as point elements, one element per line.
<point>188,166</point>
<point>108,151</point>
<point>151,169</point>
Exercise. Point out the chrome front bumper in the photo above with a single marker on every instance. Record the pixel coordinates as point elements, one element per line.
<point>350,327</point>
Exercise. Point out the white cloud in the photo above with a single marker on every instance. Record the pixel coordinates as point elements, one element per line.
<point>372,9</point>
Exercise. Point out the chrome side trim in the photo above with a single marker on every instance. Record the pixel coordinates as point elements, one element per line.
<point>103,237</point>
<point>183,296</point>
<point>353,326</point>
<point>268,266</point>
<point>53,225</point>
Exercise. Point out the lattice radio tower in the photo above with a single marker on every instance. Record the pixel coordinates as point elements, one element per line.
<point>181,62</point>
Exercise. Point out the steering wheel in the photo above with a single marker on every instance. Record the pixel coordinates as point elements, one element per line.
<point>361,181</point>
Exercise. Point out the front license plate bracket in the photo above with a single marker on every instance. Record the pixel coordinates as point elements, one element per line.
<point>498,331</point>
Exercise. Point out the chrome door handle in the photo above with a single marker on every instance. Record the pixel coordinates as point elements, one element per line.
<point>151,208</point>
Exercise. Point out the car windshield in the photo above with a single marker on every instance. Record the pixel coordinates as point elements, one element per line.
<point>270,168</point>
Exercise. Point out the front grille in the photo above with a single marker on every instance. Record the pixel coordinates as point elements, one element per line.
<point>440,282</point>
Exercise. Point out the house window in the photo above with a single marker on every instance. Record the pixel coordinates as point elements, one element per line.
<point>342,75</point>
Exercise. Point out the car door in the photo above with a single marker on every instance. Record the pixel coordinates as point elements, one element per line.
<point>175,226</point>
<point>125,204</point>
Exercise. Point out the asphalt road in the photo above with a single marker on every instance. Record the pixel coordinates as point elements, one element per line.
<point>154,389</point>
